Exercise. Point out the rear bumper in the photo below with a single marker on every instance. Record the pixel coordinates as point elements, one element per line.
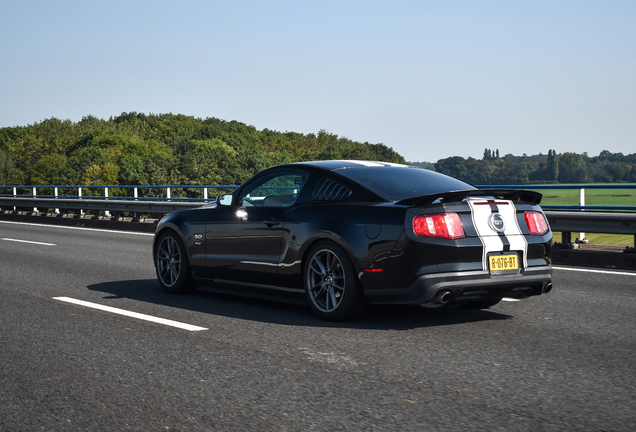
<point>466,286</point>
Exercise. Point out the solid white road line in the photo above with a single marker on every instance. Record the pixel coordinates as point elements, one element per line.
<point>131,314</point>
<point>594,271</point>
<point>78,228</point>
<point>27,241</point>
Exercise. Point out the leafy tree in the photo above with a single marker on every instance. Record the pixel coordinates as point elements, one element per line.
<point>81,165</point>
<point>9,135</point>
<point>138,148</point>
<point>453,166</point>
<point>100,175</point>
<point>214,163</point>
<point>132,170</point>
<point>572,168</point>
<point>7,168</point>
<point>553,165</point>
<point>48,170</point>
<point>383,153</point>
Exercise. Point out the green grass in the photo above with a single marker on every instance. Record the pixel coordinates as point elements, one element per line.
<point>598,238</point>
<point>597,197</point>
<point>593,197</point>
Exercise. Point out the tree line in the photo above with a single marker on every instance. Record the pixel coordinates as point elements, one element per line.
<point>161,149</point>
<point>566,167</point>
<point>175,149</point>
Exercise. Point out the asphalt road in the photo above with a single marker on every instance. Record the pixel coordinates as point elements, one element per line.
<point>563,361</point>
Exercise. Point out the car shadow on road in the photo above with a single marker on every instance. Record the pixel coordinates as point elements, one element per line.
<point>381,317</point>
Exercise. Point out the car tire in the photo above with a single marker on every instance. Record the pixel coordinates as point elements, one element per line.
<point>171,264</point>
<point>331,285</point>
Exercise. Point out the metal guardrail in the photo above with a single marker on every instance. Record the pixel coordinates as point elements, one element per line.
<point>136,196</point>
<point>564,221</point>
<point>135,191</point>
<point>114,205</point>
<point>581,189</point>
<point>578,220</point>
<point>106,203</point>
<point>568,222</point>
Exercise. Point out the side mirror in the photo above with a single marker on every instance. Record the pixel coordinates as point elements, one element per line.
<point>224,200</point>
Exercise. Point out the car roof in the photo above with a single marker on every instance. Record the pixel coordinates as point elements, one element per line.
<point>389,181</point>
<point>340,164</point>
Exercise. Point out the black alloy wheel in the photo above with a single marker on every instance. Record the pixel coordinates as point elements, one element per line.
<point>171,263</point>
<point>331,285</point>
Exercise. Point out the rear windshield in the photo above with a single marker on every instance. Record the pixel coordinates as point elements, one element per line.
<point>395,183</point>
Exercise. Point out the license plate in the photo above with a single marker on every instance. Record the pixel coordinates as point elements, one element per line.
<point>503,262</point>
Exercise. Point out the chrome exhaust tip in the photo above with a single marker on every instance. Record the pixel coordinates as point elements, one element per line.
<point>442,297</point>
<point>547,288</point>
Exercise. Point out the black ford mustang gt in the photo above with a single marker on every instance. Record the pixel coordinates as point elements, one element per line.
<point>340,234</point>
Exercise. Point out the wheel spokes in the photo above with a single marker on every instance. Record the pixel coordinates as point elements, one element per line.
<point>163,253</point>
<point>321,268</point>
<point>168,261</point>
<point>326,280</point>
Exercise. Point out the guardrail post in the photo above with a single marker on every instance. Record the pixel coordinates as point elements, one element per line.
<point>35,209</point>
<point>135,214</point>
<point>566,238</point>
<point>168,193</point>
<point>79,193</point>
<point>106,213</point>
<point>15,194</point>
<point>582,238</point>
<point>205,193</point>
<point>34,192</point>
<point>57,210</point>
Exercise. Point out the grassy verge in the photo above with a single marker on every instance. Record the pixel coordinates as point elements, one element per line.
<point>597,238</point>
<point>598,197</point>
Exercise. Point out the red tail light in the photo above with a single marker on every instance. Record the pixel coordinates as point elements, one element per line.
<point>442,225</point>
<point>536,223</point>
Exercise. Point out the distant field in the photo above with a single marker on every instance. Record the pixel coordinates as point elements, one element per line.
<point>597,238</point>
<point>600,197</point>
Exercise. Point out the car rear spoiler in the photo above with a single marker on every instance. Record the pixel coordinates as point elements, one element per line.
<point>507,194</point>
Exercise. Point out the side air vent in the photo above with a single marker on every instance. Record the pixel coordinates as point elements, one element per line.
<point>329,190</point>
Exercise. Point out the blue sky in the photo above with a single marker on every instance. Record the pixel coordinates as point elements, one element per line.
<point>431,79</point>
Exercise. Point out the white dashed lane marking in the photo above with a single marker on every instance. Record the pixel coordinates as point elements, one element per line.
<point>27,241</point>
<point>131,314</point>
<point>79,228</point>
<point>612,272</point>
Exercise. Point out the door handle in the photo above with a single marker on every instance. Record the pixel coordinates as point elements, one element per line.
<point>271,222</point>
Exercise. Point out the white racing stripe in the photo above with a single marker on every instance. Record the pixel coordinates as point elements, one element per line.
<point>493,242</point>
<point>78,228</point>
<point>513,232</point>
<point>131,314</point>
<point>594,271</point>
<point>27,241</point>
<point>480,214</point>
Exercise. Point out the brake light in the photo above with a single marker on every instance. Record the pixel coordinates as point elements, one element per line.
<point>536,223</point>
<point>442,225</point>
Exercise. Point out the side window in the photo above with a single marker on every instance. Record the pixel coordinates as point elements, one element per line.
<point>275,190</point>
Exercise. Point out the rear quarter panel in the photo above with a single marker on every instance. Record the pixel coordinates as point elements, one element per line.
<point>367,233</point>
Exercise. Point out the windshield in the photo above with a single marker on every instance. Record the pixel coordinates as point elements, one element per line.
<point>398,182</point>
